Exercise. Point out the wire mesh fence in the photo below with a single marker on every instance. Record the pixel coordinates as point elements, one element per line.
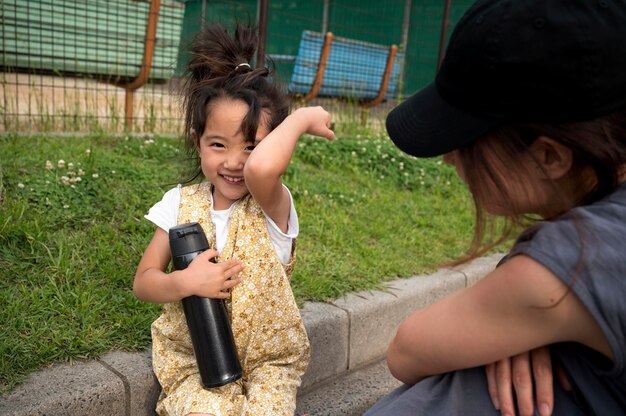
<point>66,65</point>
<point>95,65</point>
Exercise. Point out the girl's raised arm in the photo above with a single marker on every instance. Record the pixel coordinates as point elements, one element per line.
<point>271,157</point>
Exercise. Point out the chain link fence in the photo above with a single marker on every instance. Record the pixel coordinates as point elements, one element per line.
<point>115,65</point>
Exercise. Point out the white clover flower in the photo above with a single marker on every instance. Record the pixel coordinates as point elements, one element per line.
<point>363,149</point>
<point>305,193</point>
<point>48,201</point>
<point>73,186</point>
<point>94,175</point>
<point>48,165</point>
<point>439,162</point>
<point>88,152</point>
<point>353,154</point>
<point>71,173</point>
<point>20,185</point>
<point>401,166</point>
<point>422,183</point>
<point>70,165</point>
<point>81,172</point>
<point>406,173</point>
<point>61,164</point>
<point>448,183</point>
<point>66,206</point>
<point>113,172</point>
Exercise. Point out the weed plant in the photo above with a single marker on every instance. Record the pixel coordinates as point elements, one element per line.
<point>72,232</point>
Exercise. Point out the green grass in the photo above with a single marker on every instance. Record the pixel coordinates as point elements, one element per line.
<point>69,248</point>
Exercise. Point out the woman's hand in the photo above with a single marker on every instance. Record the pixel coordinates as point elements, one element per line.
<point>520,372</point>
<point>207,279</point>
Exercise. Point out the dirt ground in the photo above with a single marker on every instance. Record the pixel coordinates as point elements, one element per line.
<point>68,104</point>
<point>38,103</point>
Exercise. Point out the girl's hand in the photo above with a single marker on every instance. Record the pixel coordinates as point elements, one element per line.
<point>316,121</point>
<point>516,372</point>
<point>207,279</point>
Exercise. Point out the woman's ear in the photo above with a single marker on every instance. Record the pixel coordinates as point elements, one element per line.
<point>554,158</point>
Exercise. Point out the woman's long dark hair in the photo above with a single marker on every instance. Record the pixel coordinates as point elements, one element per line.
<point>220,67</point>
<point>598,146</point>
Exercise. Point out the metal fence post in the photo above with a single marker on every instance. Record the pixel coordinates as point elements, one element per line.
<point>146,64</point>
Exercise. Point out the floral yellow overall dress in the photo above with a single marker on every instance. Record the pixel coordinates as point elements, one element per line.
<point>269,333</point>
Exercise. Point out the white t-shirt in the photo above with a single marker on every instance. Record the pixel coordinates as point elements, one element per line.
<point>165,215</point>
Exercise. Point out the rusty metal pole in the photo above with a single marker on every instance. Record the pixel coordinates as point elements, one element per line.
<point>319,76</point>
<point>262,24</point>
<point>146,64</point>
<point>444,31</point>
<point>384,83</point>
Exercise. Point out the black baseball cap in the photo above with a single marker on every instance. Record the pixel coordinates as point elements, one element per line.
<point>552,61</point>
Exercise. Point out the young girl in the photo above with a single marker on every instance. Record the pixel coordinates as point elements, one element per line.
<point>529,106</point>
<point>241,141</point>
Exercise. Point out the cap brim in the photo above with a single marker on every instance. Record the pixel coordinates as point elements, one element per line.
<point>425,125</point>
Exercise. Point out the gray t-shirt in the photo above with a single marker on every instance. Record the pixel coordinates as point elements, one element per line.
<point>586,248</point>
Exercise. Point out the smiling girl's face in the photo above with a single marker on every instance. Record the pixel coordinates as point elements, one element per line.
<point>223,151</point>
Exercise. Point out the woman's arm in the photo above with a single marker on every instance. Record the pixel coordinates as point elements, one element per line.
<point>518,307</point>
<point>271,157</point>
<point>201,277</point>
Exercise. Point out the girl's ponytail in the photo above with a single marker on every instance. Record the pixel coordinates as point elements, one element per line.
<point>216,56</point>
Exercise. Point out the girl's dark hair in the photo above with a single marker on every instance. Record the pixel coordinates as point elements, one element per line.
<point>598,145</point>
<point>220,67</point>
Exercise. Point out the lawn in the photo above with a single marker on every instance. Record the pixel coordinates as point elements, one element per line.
<point>72,232</point>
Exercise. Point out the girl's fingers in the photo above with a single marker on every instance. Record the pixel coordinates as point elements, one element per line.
<point>231,267</point>
<point>206,255</point>
<point>221,295</point>
<point>230,283</point>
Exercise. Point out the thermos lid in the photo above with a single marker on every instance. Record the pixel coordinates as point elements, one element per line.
<point>187,238</point>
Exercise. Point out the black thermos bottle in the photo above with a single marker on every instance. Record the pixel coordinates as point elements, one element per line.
<point>211,335</point>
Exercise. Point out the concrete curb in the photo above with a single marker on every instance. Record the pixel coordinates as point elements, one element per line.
<point>346,335</point>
